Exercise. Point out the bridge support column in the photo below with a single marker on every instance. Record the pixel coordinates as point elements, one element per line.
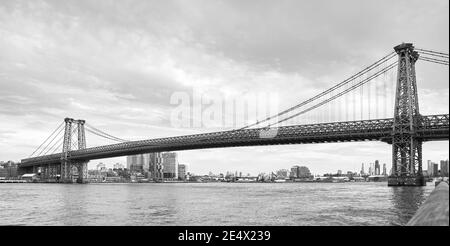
<point>82,168</point>
<point>406,146</point>
<point>68,166</point>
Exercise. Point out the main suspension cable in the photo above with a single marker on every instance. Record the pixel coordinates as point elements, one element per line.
<point>355,76</point>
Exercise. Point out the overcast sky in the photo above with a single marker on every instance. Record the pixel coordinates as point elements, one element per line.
<point>117,63</point>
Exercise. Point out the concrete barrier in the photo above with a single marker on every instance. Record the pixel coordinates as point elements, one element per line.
<point>434,211</point>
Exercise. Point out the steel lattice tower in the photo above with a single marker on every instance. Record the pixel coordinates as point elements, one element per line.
<point>67,166</point>
<point>406,147</point>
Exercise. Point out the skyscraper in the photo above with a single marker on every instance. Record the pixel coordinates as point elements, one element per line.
<point>362,169</point>
<point>182,169</point>
<point>430,168</point>
<point>155,166</point>
<point>435,169</point>
<point>377,167</point>
<point>138,163</point>
<point>444,168</point>
<point>170,165</point>
<point>384,169</point>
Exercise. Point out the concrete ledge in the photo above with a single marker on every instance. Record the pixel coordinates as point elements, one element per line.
<point>434,211</point>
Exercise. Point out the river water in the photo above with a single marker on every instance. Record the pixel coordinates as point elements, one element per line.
<point>210,204</point>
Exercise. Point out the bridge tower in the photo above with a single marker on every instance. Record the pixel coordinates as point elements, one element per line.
<point>406,147</point>
<point>67,166</point>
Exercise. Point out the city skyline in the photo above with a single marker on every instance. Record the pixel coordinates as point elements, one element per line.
<point>365,168</point>
<point>199,53</point>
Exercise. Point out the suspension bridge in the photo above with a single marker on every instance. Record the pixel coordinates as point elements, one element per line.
<point>355,109</point>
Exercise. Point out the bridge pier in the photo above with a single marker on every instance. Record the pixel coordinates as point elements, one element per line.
<point>74,172</point>
<point>417,180</point>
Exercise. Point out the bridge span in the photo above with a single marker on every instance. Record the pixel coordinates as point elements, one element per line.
<point>432,128</point>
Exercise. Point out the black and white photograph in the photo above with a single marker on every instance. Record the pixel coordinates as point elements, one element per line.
<point>256,114</point>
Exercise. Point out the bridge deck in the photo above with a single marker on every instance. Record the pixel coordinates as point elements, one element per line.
<point>431,128</point>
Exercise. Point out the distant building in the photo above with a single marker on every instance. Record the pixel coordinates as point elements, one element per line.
<point>444,168</point>
<point>384,169</point>
<point>299,172</point>
<point>170,165</point>
<point>138,163</point>
<point>182,170</point>
<point>9,171</point>
<point>282,173</point>
<point>304,172</point>
<point>339,172</point>
<point>362,170</point>
<point>119,166</point>
<point>430,168</point>
<point>435,170</point>
<point>101,167</point>
<point>156,166</point>
<point>377,167</point>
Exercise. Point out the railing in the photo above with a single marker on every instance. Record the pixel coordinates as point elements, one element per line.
<point>434,211</point>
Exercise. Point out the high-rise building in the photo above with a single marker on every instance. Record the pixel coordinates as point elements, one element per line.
<point>155,166</point>
<point>384,169</point>
<point>299,172</point>
<point>435,169</point>
<point>339,172</point>
<point>170,165</point>
<point>444,168</point>
<point>362,169</point>
<point>182,169</point>
<point>377,167</point>
<point>430,168</point>
<point>135,163</point>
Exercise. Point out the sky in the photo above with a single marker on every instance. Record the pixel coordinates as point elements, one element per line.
<point>118,64</point>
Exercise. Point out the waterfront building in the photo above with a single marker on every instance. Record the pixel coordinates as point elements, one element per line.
<point>119,166</point>
<point>435,169</point>
<point>138,163</point>
<point>101,167</point>
<point>170,165</point>
<point>339,172</point>
<point>377,167</point>
<point>300,172</point>
<point>430,168</point>
<point>444,168</point>
<point>303,172</point>
<point>182,171</point>
<point>362,170</point>
<point>282,173</point>
<point>155,166</point>
<point>384,169</point>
